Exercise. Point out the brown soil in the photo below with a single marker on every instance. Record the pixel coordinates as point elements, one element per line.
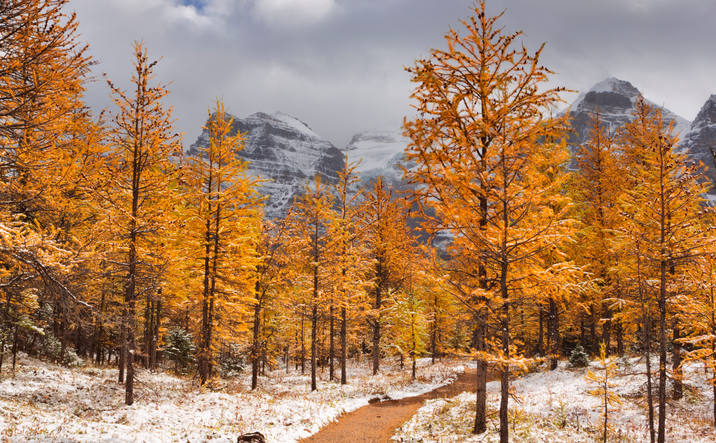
<point>377,422</point>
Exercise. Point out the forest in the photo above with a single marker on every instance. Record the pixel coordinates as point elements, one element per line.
<point>119,250</point>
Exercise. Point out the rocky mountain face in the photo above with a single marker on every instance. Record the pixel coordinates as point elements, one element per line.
<point>615,100</point>
<point>380,153</point>
<point>285,153</point>
<point>700,140</point>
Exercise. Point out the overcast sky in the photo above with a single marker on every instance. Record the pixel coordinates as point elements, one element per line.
<point>337,65</point>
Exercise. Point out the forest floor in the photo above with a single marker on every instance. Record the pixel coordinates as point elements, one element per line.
<point>562,406</point>
<point>377,422</point>
<point>43,402</point>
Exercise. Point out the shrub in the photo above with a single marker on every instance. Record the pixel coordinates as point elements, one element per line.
<point>578,358</point>
<point>179,348</point>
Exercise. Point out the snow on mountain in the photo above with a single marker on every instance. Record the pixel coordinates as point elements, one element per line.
<point>615,100</point>
<point>284,152</point>
<point>700,140</point>
<point>380,153</point>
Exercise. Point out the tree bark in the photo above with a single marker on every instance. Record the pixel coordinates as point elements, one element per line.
<point>344,333</point>
<point>481,389</point>
<point>554,334</point>
<point>255,347</point>
<point>505,380</point>
<point>331,346</point>
<point>678,376</point>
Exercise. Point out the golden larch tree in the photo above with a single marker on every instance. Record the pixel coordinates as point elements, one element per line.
<point>139,196</point>
<point>481,113</point>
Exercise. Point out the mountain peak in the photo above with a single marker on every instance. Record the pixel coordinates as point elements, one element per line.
<point>613,84</point>
<point>707,114</point>
<point>281,119</point>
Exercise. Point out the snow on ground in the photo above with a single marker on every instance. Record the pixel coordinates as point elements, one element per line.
<point>48,403</point>
<point>556,406</point>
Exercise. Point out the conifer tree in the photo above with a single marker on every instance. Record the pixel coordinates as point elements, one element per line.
<point>310,250</point>
<point>46,139</point>
<point>223,212</point>
<point>350,264</point>
<point>661,210</point>
<point>389,243</point>
<point>597,187</point>
<point>605,386</point>
<point>139,192</point>
<point>481,114</point>
<point>700,317</point>
<point>270,276</point>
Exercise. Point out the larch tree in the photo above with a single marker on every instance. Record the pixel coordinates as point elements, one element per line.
<point>350,267</point>
<point>139,196</point>
<point>270,278</point>
<point>389,242</point>
<point>310,247</point>
<point>596,189</point>
<point>223,211</point>
<point>45,135</point>
<point>661,211</point>
<point>700,317</point>
<point>481,115</point>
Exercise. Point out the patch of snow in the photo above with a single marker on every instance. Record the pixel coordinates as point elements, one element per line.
<point>558,406</point>
<point>48,403</point>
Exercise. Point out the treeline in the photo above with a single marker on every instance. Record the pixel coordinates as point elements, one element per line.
<point>116,248</point>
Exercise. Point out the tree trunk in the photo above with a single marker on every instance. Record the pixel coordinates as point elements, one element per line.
<point>607,327</point>
<point>540,338</point>
<point>662,355</point>
<point>481,389</point>
<point>155,336</point>
<point>505,380</point>
<point>593,329</point>
<point>376,330</point>
<point>255,347</point>
<point>649,393</point>
<point>15,339</point>
<point>331,346</point>
<point>303,347</point>
<point>678,375</point>
<point>314,341</point>
<point>620,338</point>
<point>344,377</point>
<point>122,351</point>
<point>554,334</point>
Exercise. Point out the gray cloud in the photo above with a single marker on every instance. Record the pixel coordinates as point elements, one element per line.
<point>338,64</point>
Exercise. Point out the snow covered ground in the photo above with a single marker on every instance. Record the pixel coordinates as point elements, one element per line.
<point>556,406</point>
<point>48,403</point>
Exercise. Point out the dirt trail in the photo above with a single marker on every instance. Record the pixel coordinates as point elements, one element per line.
<point>377,422</point>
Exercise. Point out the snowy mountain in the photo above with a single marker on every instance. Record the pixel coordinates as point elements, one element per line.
<point>285,152</point>
<point>700,140</point>
<point>615,100</point>
<point>380,153</point>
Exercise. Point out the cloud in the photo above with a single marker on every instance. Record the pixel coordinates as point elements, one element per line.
<point>338,64</point>
<point>293,14</point>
